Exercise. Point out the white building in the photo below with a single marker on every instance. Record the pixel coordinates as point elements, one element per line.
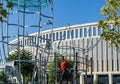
<point>85,38</point>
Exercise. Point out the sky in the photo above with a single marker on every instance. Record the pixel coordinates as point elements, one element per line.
<point>77,11</point>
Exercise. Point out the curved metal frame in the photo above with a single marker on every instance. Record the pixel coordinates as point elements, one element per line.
<point>6,37</point>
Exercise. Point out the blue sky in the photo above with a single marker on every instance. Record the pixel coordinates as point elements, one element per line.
<point>76,11</point>
<point>66,12</point>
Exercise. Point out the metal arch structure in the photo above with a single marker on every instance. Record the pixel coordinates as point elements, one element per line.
<point>27,16</point>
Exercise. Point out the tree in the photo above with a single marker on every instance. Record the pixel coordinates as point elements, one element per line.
<point>3,77</point>
<point>112,17</point>
<point>51,72</point>
<point>26,67</point>
<point>3,12</point>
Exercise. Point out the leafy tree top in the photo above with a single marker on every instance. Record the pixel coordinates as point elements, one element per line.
<point>26,67</point>
<point>111,15</point>
<point>3,11</point>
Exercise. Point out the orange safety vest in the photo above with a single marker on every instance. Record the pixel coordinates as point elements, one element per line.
<point>63,65</point>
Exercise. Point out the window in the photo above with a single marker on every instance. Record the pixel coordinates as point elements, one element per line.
<point>39,39</point>
<point>85,32</point>
<point>25,42</point>
<point>35,40</point>
<point>60,35</point>
<point>99,31</point>
<point>72,32</point>
<point>116,79</point>
<point>118,64</point>
<point>43,38</point>
<point>28,41</point>
<point>81,32</point>
<point>112,65</point>
<point>53,36</point>
<point>64,34</point>
<point>31,40</point>
<point>76,33</point>
<point>89,79</point>
<point>46,36</point>
<point>90,31</point>
<point>102,79</point>
<point>49,36</point>
<point>68,34</point>
<point>57,36</point>
<point>94,31</point>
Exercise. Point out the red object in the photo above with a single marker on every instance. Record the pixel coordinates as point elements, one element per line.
<point>63,65</point>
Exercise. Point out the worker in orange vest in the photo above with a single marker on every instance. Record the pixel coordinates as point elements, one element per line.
<point>64,65</point>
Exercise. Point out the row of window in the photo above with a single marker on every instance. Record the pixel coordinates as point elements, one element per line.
<point>104,79</point>
<point>77,33</point>
<point>71,34</point>
<point>107,65</point>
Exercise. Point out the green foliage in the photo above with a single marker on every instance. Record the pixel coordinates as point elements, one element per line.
<point>3,77</point>
<point>51,73</point>
<point>26,67</point>
<point>10,5</point>
<point>3,12</point>
<point>111,14</point>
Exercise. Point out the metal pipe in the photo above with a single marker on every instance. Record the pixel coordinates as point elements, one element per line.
<point>86,69</point>
<point>91,59</point>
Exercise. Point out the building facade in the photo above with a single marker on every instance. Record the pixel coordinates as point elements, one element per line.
<point>85,40</point>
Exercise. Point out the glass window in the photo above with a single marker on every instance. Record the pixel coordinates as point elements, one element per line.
<point>25,42</point>
<point>89,79</point>
<point>35,40</point>
<point>81,32</point>
<point>76,33</point>
<point>46,36</point>
<point>72,33</point>
<point>53,36</point>
<point>64,34</point>
<point>21,42</point>
<point>94,31</point>
<point>49,36</point>
<point>43,38</point>
<point>90,31</point>
<point>39,39</point>
<point>57,36</point>
<point>31,40</point>
<point>116,79</point>
<point>103,79</point>
<point>68,34</point>
<point>85,32</point>
<point>60,35</point>
<point>99,31</point>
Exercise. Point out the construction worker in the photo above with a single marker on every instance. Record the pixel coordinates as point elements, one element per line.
<point>64,65</point>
